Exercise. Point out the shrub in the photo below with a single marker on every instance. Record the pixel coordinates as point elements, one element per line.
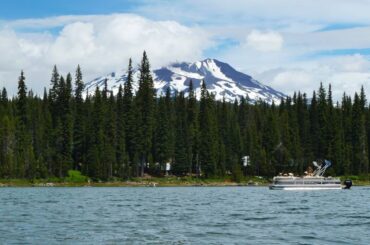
<point>76,177</point>
<point>237,174</point>
<point>352,177</point>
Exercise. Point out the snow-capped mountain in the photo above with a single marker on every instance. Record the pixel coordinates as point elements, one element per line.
<point>221,79</point>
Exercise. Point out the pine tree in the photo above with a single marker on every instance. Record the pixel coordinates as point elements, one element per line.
<point>22,102</point>
<point>129,112</point>
<point>122,169</point>
<point>79,140</point>
<point>271,140</point>
<point>64,127</point>
<point>145,104</point>
<point>22,139</point>
<point>108,154</point>
<point>314,127</point>
<point>53,94</point>
<point>224,144</point>
<point>47,136</point>
<point>162,135</point>
<point>359,137</point>
<point>303,121</point>
<point>322,110</point>
<point>208,141</point>
<point>7,147</point>
<point>193,129</point>
<point>4,97</point>
<point>107,136</point>
<point>181,162</point>
<point>347,133</point>
<point>95,131</point>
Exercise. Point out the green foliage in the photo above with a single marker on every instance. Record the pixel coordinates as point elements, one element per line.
<point>110,136</point>
<point>79,121</point>
<point>145,102</point>
<point>208,133</point>
<point>76,177</point>
<point>237,174</point>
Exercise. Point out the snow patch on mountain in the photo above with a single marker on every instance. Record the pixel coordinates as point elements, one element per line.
<point>221,79</point>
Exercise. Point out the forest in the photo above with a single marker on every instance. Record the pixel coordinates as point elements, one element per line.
<point>120,136</point>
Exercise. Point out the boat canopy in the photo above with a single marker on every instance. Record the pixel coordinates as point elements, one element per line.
<point>320,169</point>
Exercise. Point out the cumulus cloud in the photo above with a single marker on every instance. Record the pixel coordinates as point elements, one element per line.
<point>312,34</point>
<point>259,13</point>
<point>99,44</point>
<point>281,45</point>
<point>345,73</point>
<point>350,63</point>
<point>295,79</point>
<point>305,59</point>
<point>264,41</point>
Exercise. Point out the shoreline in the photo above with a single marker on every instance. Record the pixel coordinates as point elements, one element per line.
<point>136,182</point>
<point>147,182</point>
<point>124,184</point>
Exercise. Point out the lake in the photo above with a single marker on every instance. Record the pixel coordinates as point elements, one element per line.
<point>183,215</point>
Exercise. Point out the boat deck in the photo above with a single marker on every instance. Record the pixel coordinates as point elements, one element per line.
<point>305,183</point>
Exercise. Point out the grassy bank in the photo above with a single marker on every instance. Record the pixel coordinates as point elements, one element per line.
<point>154,181</point>
<point>151,181</point>
<point>361,180</point>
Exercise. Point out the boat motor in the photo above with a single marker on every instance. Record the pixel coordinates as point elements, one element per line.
<point>347,184</point>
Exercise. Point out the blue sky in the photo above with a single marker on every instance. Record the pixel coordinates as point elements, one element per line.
<point>11,10</point>
<point>289,45</point>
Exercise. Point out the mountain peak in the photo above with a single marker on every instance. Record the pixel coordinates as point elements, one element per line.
<point>221,79</point>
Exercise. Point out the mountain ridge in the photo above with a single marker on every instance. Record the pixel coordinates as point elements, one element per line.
<point>224,81</point>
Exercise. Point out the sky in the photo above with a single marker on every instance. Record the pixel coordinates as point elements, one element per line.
<point>289,45</point>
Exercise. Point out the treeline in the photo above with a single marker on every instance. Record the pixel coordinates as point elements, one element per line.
<point>124,135</point>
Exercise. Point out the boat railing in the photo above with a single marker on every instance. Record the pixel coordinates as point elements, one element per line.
<point>320,169</point>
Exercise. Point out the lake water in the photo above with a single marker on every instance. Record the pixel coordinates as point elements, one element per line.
<point>183,215</point>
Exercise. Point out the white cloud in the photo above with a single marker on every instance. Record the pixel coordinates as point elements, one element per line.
<point>259,13</point>
<point>349,83</point>
<point>280,41</point>
<point>345,74</point>
<point>350,63</point>
<point>308,55</point>
<point>294,79</point>
<point>99,44</point>
<point>75,42</point>
<point>264,41</point>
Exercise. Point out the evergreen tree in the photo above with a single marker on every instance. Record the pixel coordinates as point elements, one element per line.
<point>109,144</point>
<point>162,142</point>
<point>346,123</point>
<point>129,111</point>
<point>181,162</point>
<point>145,104</point>
<point>122,169</point>
<point>359,137</point>
<point>67,121</point>
<point>48,151</point>
<point>322,111</point>
<point>95,131</point>
<point>122,135</point>
<point>7,147</point>
<point>208,141</point>
<point>53,94</point>
<point>24,160</point>
<point>192,130</point>
<point>314,127</point>
<point>79,144</point>
<point>22,102</point>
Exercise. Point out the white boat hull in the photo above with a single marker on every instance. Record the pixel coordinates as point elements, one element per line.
<point>305,187</point>
<point>312,181</point>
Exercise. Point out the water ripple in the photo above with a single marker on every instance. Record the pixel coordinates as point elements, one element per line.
<point>228,215</point>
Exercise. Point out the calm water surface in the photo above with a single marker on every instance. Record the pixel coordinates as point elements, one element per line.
<point>183,215</point>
